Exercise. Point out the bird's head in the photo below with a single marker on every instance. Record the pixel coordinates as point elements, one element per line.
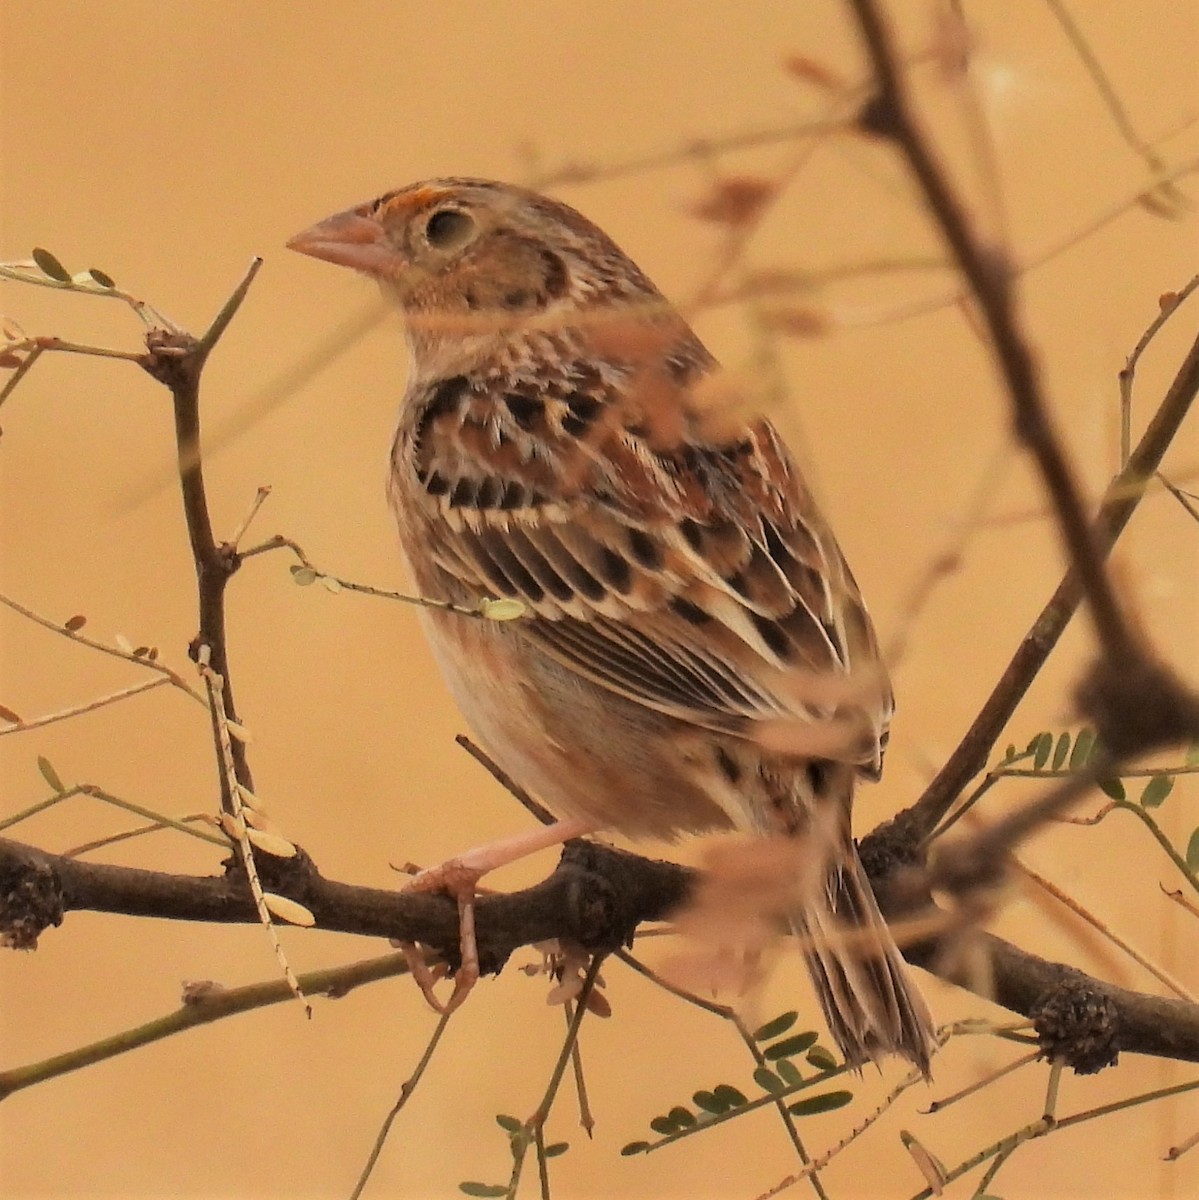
<point>469,259</point>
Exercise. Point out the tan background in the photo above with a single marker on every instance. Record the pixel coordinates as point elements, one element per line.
<point>167,143</point>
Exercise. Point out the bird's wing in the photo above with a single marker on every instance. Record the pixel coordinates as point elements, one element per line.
<point>687,570</point>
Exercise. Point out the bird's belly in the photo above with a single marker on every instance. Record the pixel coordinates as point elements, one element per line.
<point>580,749</point>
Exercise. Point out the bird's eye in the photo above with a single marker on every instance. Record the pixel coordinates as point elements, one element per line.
<point>449,228</point>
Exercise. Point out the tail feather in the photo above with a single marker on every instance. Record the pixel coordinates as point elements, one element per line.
<point>869,1002</point>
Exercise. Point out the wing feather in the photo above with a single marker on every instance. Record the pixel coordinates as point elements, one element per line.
<point>692,576</point>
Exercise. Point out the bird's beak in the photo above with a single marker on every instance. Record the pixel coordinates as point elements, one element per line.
<point>349,239</point>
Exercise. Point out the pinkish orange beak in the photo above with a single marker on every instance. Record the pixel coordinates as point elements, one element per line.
<point>349,239</point>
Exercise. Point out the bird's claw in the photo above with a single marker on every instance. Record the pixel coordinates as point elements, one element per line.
<point>460,881</point>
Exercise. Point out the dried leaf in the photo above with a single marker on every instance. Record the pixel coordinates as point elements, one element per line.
<point>248,798</point>
<point>7,714</point>
<point>270,843</point>
<point>238,731</point>
<point>303,576</point>
<point>123,644</point>
<point>598,1004</point>
<point>288,910</point>
<point>930,1166</point>
<point>234,828</point>
<point>952,44</point>
<point>735,200</point>
<point>48,264</point>
<point>818,74</point>
<point>75,623</point>
<point>330,584</point>
<point>9,359</point>
<point>49,774</point>
<point>795,321</point>
<point>101,277</point>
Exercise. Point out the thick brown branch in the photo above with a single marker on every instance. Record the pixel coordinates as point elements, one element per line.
<point>596,896</point>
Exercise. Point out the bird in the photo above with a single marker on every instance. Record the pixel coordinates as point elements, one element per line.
<point>681,598</point>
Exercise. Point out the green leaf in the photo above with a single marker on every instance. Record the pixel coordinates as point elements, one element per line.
<point>507,1123</point>
<point>1083,745</point>
<point>1009,753</point>
<point>767,1080</point>
<point>48,264</point>
<point>473,1188</point>
<point>1061,750</point>
<point>49,774</point>
<point>730,1096</point>
<point>631,1148</point>
<point>1041,746</point>
<point>707,1102</point>
<point>789,1072</point>
<point>826,1102</point>
<point>663,1125</point>
<point>1156,790</point>
<point>1193,852</point>
<point>556,1148</point>
<point>796,1044</point>
<point>303,576</point>
<point>1113,788</point>
<point>819,1057</point>
<point>101,277</point>
<point>775,1028</point>
<point>682,1118</point>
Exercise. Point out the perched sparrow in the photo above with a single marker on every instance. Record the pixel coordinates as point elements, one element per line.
<point>683,596</point>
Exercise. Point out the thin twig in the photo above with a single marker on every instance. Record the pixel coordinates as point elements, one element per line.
<point>1167,307</point>
<point>1063,897</point>
<point>1111,98</point>
<point>406,1090</point>
<point>204,1006</point>
<point>88,706</point>
<point>74,635</point>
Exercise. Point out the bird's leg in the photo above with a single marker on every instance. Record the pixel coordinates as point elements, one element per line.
<point>459,877</point>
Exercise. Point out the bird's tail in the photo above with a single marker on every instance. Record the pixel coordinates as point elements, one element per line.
<point>871,1006</point>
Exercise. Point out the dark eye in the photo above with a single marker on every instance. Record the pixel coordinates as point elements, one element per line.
<point>449,228</point>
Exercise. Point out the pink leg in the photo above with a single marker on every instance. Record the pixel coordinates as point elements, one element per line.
<point>459,877</point>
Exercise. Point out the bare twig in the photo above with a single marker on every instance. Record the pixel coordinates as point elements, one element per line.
<point>406,1090</point>
<point>201,1006</point>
